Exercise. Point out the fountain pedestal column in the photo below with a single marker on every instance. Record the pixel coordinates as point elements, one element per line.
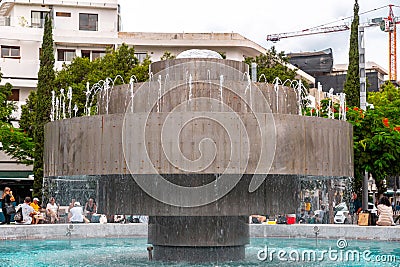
<point>198,239</point>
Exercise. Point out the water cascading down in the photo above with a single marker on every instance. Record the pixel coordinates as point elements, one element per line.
<point>198,148</point>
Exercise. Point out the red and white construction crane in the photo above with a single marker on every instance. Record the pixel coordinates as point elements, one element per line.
<point>387,24</point>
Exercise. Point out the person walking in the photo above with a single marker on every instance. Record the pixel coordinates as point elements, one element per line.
<point>6,199</point>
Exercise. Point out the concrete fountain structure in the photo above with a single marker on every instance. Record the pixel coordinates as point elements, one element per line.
<point>198,148</point>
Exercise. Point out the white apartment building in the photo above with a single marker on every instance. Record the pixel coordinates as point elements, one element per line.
<point>86,29</point>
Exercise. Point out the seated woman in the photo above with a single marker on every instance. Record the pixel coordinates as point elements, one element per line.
<point>76,214</point>
<point>385,212</point>
<point>27,212</point>
<point>90,208</point>
<point>52,210</point>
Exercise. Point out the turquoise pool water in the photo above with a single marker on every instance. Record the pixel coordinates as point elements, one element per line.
<point>132,252</point>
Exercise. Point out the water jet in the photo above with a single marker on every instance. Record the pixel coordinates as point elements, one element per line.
<point>198,150</point>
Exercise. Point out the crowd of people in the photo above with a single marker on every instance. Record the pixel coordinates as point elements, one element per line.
<point>31,212</point>
<point>383,216</point>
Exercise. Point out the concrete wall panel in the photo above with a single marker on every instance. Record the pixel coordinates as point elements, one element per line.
<point>93,145</point>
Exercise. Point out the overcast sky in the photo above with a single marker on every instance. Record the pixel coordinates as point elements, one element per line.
<point>256,19</point>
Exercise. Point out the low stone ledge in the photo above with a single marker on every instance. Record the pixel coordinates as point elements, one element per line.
<point>326,231</point>
<point>94,230</point>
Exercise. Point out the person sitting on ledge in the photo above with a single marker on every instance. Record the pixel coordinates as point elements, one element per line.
<point>37,216</point>
<point>76,214</point>
<point>27,212</point>
<point>52,210</point>
<point>385,212</point>
<point>90,208</point>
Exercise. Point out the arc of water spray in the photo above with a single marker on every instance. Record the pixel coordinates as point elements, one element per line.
<point>159,80</point>
<point>190,88</point>
<point>132,80</point>
<point>319,90</point>
<point>93,92</point>
<point>69,97</point>
<point>57,108</point>
<point>300,97</point>
<point>262,76</point>
<point>62,103</point>
<point>75,109</point>
<point>276,88</point>
<point>87,92</point>
<point>221,82</point>
<point>342,109</point>
<point>53,103</point>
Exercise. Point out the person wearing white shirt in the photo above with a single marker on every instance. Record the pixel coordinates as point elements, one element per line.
<point>52,210</point>
<point>76,214</point>
<point>27,212</point>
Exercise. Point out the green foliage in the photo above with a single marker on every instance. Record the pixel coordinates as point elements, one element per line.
<point>6,107</point>
<point>116,63</point>
<point>28,115</point>
<point>389,95</point>
<point>15,141</point>
<point>46,78</point>
<point>352,84</point>
<point>167,55</point>
<point>324,109</point>
<point>377,135</point>
<point>271,65</point>
<point>17,144</point>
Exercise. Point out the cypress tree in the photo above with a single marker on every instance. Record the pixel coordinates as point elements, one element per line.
<point>46,80</point>
<point>352,84</point>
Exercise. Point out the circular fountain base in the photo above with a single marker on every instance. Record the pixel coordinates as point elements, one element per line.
<point>199,254</point>
<point>198,239</point>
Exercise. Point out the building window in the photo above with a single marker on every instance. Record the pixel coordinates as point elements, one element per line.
<point>98,54</point>
<point>85,54</point>
<point>10,51</point>
<point>65,54</point>
<point>141,56</point>
<point>88,22</point>
<point>92,55</point>
<point>63,14</point>
<point>14,95</point>
<point>37,18</point>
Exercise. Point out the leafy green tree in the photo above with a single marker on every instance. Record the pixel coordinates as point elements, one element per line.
<point>167,55</point>
<point>15,141</point>
<point>28,115</point>
<point>271,65</point>
<point>389,95</point>
<point>377,135</point>
<point>46,79</point>
<point>116,63</point>
<point>6,107</point>
<point>352,84</point>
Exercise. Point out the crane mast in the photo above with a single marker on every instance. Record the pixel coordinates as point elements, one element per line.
<point>391,23</point>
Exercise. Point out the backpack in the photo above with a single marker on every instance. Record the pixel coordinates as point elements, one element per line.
<point>18,215</point>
